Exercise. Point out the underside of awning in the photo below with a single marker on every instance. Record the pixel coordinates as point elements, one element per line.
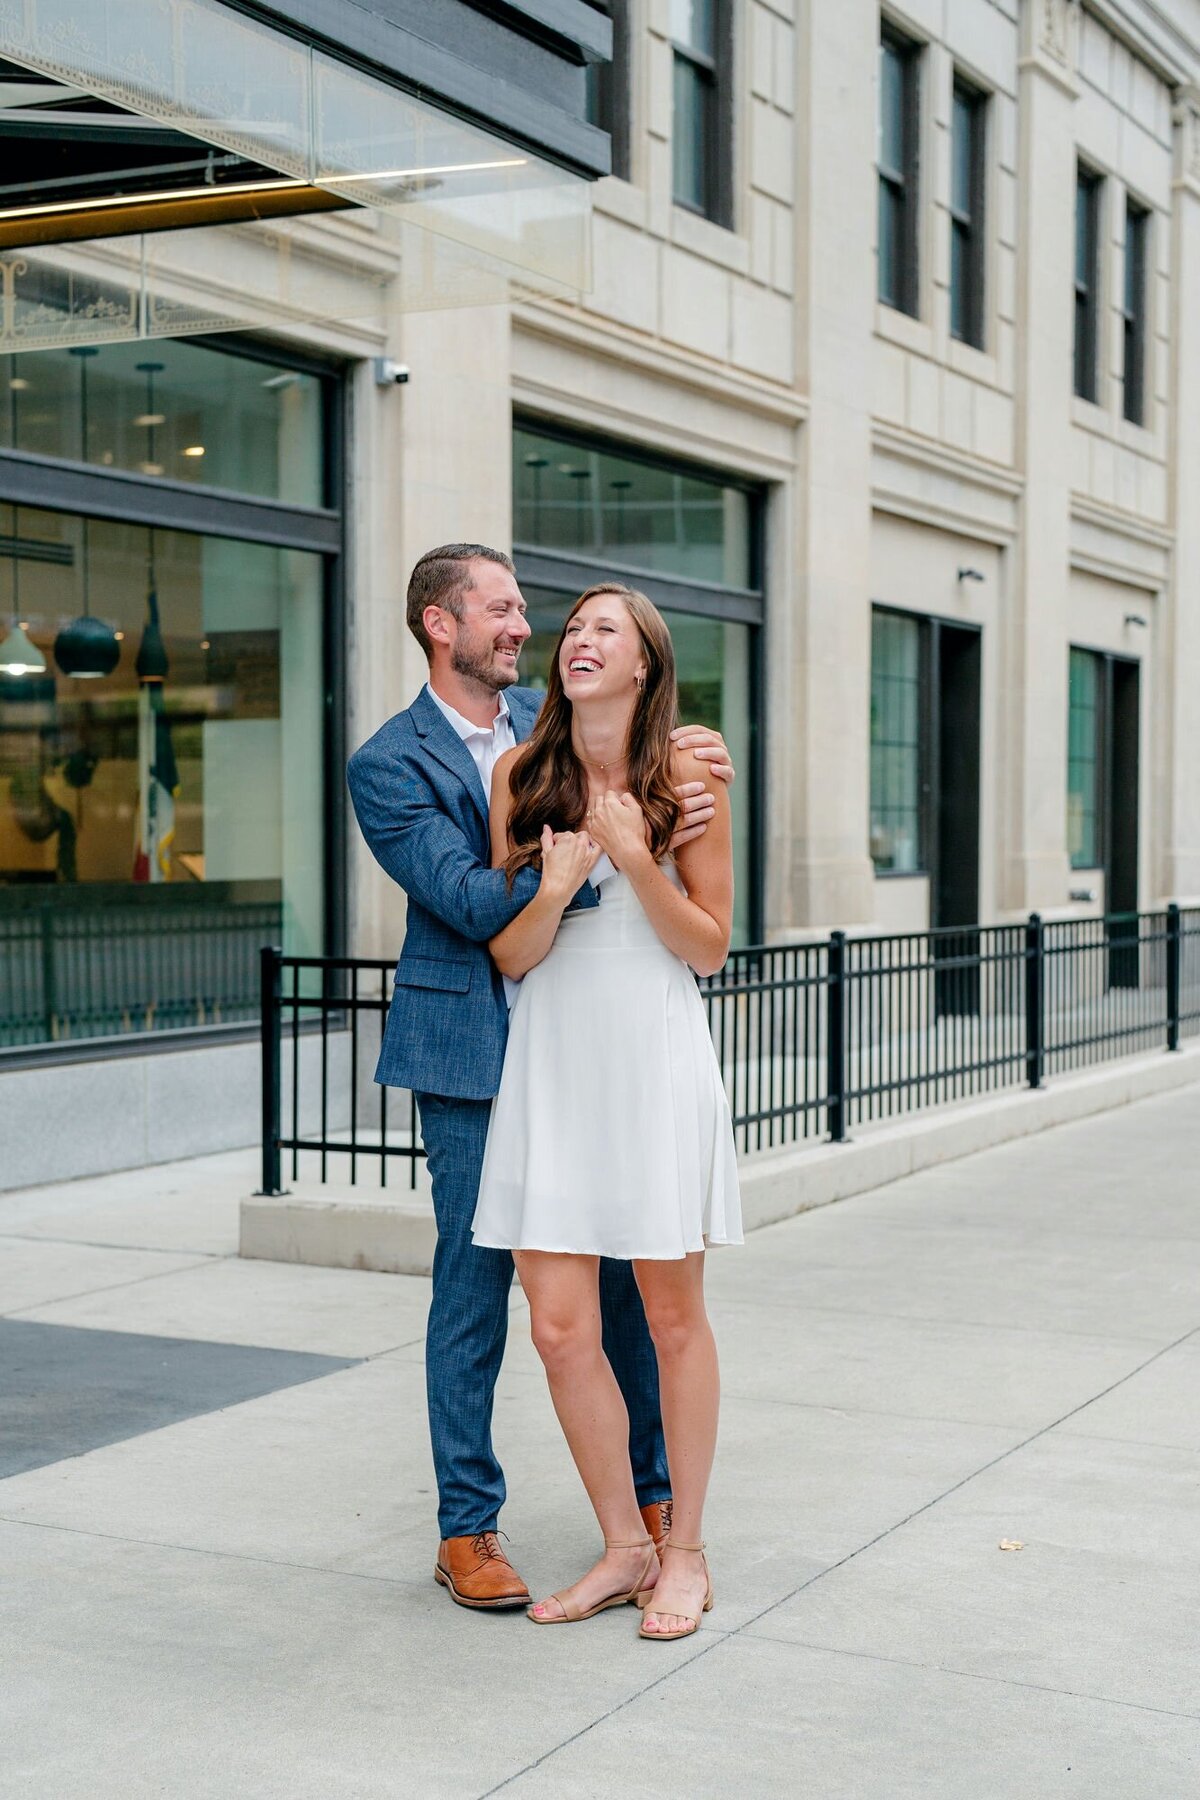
<point>134,119</point>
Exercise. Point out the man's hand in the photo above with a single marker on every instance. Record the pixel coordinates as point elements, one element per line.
<point>708,746</point>
<point>696,807</point>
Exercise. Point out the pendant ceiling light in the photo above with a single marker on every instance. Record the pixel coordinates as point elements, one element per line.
<point>87,648</point>
<point>20,655</point>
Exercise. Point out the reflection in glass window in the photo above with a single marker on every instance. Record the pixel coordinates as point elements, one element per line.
<point>1083,760</point>
<point>695,87</point>
<point>713,661</point>
<point>160,822</point>
<point>182,411</point>
<point>897,845</point>
<point>598,502</point>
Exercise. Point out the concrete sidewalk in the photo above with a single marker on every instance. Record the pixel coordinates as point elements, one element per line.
<point>217,1530</point>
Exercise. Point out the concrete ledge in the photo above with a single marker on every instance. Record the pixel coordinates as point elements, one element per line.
<point>396,1237</point>
<point>344,1229</point>
<point>779,1184</point>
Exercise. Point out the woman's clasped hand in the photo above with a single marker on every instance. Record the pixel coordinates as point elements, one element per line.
<point>618,825</point>
<point>568,858</point>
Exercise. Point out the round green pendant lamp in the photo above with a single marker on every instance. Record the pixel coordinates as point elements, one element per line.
<point>87,649</point>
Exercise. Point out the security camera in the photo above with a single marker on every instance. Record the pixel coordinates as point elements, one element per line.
<point>389,373</point>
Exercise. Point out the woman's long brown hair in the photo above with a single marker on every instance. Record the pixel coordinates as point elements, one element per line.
<point>548,784</point>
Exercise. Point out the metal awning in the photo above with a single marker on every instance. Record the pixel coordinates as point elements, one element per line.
<point>203,113</point>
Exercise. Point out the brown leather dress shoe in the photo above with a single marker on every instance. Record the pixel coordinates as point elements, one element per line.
<point>477,1572</point>
<point>657,1519</point>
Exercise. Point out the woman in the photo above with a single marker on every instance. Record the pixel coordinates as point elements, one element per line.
<point>610,1135</point>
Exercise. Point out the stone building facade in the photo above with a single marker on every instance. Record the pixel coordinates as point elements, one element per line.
<point>886,387</point>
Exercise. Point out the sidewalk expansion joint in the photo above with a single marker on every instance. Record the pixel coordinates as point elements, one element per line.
<point>112,1287</point>
<point>907,1662</point>
<point>740,1630</point>
<point>239,1556</point>
<point>37,1237</point>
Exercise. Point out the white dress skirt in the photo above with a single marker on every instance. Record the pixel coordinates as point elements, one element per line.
<point>610,1135</point>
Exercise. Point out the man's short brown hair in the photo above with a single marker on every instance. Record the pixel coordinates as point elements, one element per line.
<point>441,578</point>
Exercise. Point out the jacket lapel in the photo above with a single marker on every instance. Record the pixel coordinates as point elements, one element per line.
<point>443,742</point>
<point>524,706</point>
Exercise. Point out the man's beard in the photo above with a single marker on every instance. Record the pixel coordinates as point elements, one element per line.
<point>474,664</point>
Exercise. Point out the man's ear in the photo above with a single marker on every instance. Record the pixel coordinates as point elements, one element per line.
<point>434,621</point>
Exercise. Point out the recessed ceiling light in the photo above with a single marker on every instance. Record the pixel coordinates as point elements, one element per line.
<point>194,450</point>
<point>18,384</point>
<point>151,419</point>
<point>149,468</point>
<point>106,457</point>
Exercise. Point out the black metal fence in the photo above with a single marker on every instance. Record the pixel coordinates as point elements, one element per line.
<point>96,959</point>
<point>813,1039</point>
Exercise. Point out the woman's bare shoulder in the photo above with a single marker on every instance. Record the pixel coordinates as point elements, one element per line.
<point>687,766</point>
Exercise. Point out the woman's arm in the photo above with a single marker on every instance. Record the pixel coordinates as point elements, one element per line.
<point>568,858</point>
<point>696,924</point>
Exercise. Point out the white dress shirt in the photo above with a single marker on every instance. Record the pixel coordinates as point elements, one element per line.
<point>486,743</point>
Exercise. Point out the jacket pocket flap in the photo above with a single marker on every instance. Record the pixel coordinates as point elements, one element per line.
<point>431,972</point>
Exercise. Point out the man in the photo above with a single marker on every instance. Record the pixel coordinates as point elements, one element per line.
<point>421,789</point>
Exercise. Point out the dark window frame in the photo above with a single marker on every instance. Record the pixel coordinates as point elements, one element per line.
<point>54,484</point>
<point>970,227</point>
<point>1134,310</point>
<point>931,627</point>
<point>1089,191</point>
<point>714,75</point>
<point>1096,759</point>
<point>1109,664</point>
<point>538,568</point>
<point>900,185</point>
<point>926,725</point>
<point>608,88</point>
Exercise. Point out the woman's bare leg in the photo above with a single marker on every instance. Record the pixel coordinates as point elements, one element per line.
<point>564,1305</point>
<point>690,1389</point>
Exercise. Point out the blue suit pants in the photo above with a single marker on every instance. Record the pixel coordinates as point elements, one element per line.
<point>468,1324</point>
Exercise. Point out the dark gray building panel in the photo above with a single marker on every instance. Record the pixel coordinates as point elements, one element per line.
<point>513,66</point>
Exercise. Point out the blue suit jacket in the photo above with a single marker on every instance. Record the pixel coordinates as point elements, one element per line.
<point>422,809</point>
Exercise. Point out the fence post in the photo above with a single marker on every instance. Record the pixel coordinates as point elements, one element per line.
<point>1035,1000</point>
<point>835,1038</point>
<point>1173,976</point>
<point>272,1068</point>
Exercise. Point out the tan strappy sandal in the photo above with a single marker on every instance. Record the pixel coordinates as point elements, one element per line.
<point>638,1594</point>
<point>669,1637</point>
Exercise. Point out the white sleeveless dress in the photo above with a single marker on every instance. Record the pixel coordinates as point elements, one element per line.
<point>610,1134</point>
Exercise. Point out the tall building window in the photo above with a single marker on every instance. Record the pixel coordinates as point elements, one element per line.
<point>1083,760</point>
<point>168,723</point>
<point>1137,232</point>
<point>967,151</point>
<point>1103,780</point>
<point>899,136</point>
<point>586,509</point>
<point>700,131</point>
<point>607,86</point>
<point>1087,281</point>
<point>897,815</point>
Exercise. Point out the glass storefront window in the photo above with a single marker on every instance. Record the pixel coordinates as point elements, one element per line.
<point>897,847</point>
<point>601,502</point>
<point>584,512</point>
<point>156,829</point>
<point>1083,760</point>
<point>172,409</point>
